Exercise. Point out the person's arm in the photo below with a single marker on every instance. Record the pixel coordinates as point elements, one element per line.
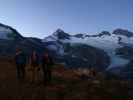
<point>30,60</point>
<point>51,61</point>
<point>30,68</point>
<point>15,59</point>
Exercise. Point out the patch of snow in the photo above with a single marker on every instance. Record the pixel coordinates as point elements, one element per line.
<point>4,32</point>
<point>128,40</point>
<point>4,29</point>
<point>50,39</point>
<point>53,47</point>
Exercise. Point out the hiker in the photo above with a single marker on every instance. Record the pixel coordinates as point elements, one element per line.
<point>47,63</point>
<point>20,60</point>
<point>93,72</point>
<point>34,63</point>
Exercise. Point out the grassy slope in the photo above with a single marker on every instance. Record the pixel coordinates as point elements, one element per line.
<point>65,86</point>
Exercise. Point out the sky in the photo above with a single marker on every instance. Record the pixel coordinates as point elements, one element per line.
<point>40,18</point>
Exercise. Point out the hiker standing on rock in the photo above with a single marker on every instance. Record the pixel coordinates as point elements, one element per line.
<point>34,62</point>
<point>47,63</point>
<point>20,60</point>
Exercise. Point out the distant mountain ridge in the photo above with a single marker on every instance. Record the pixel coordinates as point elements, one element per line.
<point>7,32</point>
<point>111,43</point>
<point>123,32</point>
<point>10,39</point>
<point>104,50</point>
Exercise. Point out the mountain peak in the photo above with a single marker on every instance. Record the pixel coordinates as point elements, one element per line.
<point>105,33</point>
<point>59,30</point>
<point>124,32</point>
<point>60,34</point>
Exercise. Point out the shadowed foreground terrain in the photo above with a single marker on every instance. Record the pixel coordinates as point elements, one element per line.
<point>66,85</point>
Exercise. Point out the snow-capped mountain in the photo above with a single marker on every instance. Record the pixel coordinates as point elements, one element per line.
<point>123,32</point>
<point>57,35</point>
<point>108,42</point>
<point>10,39</point>
<point>8,33</point>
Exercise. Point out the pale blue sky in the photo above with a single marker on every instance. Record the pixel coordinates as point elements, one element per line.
<point>39,18</point>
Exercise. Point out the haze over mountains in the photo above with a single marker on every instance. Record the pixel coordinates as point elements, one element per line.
<point>103,51</point>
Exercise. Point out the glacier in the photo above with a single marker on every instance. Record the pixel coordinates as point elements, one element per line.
<point>107,43</point>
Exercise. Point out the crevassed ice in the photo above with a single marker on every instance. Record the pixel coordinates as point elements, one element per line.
<point>108,43</point>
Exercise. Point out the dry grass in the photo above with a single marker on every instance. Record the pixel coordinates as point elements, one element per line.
<point>66,86</point>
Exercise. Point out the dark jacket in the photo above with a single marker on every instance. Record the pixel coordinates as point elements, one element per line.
<point>35,62</point>
<point>47,62</point>
<point>20,58</point>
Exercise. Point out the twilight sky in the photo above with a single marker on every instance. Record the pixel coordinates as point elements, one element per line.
<point>40,18</point>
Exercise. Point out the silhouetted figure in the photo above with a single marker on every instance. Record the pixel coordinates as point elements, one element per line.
<point>20,60</point>
<point>93,72</point>
<point>47,63</point>
<point>34,62</point>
